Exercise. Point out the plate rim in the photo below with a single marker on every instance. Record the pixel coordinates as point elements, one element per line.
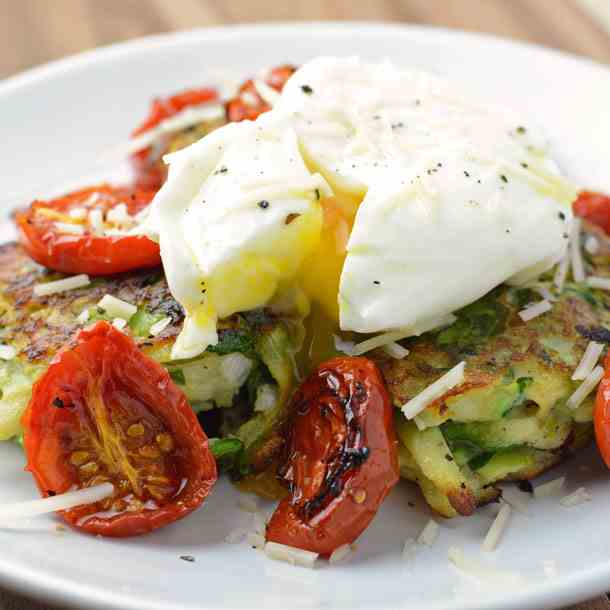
<point>32,583</point>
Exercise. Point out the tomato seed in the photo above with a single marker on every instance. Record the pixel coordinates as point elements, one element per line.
<point>89,468</point>
<point>78,458</point>
<point>165,442</point>
<point>359,496</point>
<point>135,430</point>
<point>149,451</point>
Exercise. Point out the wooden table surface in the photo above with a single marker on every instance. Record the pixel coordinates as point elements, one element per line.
<point>36,31</point>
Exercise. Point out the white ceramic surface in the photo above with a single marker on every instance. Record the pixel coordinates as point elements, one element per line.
<point>55,122</point>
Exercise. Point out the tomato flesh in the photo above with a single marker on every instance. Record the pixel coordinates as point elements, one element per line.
<point>341,457</point>
<point>601,415</point>
<point>43,233</point>
<point>248,104</point>
<point>105,412</point>
<point>149,170</point>
<point>595,207</point>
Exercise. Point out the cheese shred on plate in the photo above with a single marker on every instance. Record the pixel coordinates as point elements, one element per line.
<point>291,555</point>
<point>68,283</point>
<point>580,496</point>
<point>434,391</point>
<point>429,534</point>
<point>497,528</point>
<point>70,499</point>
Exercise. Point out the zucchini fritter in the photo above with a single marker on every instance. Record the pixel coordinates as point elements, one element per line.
<point>254,349</point>
<point>508,420</point>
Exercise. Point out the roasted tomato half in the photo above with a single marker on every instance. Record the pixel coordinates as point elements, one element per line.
<point>105,412</point>
<point>341,458</point>
<point>601,415</point>
<point>595,208</point>
<point>248,103</point>
<point>86,231</point>
<point>150,171</point>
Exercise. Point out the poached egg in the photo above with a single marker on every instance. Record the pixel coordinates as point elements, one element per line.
<point>388,197</point>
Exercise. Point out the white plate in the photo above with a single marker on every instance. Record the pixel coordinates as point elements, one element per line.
<point>55,122</point>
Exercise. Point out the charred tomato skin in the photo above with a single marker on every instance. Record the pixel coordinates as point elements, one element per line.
<point>93,395</point>
<point>87,253</point>
<point>594,207</point>
<point>341,457</point>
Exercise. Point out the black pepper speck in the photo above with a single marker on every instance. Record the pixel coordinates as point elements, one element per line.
<point>263,205</point>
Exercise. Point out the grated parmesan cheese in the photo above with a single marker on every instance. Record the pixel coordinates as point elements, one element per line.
<point>585,388</point>
<point>395,350</point>
<point>96,221</point>
<point>189,116</point>
<point>119,323</point>
<point>434,391</point>
<point>68,283</point>
<point>578,268</point>
<point>533,311</point>
<point>7,352</point>
<point>592,245</point>
<point>551,488</point>
<point>78,213</point>
<point>497,528</point>
<point>68,227</point>
<point>83,316</point>
<point>70,499</point>
<point>378,341</point>
<point>340,553</point>
<point>543,290</point>
<point>343,346</point>
<point>118,215</point>
<point>603,283</point>
<point>588,361</point>
<point>291,555</point>
<point>490,577</point>
<point>158,327</point>
<point>267,93</point>
<point>580,496</point>
<point>429,534</point>
<point>116,308</point>
<point>562,273</point>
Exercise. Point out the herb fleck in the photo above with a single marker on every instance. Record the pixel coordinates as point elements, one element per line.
<point>562,216</point>
<point>306,89</point>
<point>503,178</point>
<point>376,282</point>
<point>521,130</point>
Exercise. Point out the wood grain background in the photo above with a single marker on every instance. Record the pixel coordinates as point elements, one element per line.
<point>36,31</point>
